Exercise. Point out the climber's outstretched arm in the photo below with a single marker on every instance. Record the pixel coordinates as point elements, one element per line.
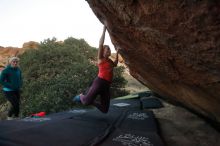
<point>101,43</point>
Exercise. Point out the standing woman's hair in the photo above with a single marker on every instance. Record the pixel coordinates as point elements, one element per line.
<point>12,59</point>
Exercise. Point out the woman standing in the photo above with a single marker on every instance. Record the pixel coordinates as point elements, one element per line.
<point>11,80</point>
<point>101,85</point>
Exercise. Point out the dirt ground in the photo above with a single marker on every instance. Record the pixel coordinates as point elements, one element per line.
<point>178,126</point>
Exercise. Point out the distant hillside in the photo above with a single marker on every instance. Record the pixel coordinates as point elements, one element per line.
<point>7,52</point>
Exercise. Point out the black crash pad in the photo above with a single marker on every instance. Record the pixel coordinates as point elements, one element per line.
<point>132,138</point>
<point>150,102</point>
<point>125,104</point>
<point>138,120</point>
<point>84,127</point>
<point>66,132</point>
<point>143,94</point>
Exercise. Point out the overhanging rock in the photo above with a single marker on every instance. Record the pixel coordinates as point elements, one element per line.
<point>173,47</point>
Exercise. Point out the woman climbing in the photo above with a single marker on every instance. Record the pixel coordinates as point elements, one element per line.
<point>101,84</point>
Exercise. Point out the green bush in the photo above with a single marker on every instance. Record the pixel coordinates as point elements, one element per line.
<point>57,71</point>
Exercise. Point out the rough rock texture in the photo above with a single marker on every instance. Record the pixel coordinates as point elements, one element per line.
<point>7,52</point>
<point>173,47</point>
<point>30,45</point>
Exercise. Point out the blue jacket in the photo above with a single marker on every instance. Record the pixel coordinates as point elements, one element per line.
<point>11,78</point>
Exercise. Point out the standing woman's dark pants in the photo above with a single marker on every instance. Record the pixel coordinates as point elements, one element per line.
<point>14,98</point>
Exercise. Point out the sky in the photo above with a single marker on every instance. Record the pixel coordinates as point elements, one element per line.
<point>35,20</point>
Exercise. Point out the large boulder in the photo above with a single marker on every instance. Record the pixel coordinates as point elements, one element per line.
<point>172,47</point>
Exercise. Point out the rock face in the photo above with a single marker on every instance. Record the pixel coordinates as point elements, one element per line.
<point>172,47</point>
<point>7,52</point>
<point>30,45</point>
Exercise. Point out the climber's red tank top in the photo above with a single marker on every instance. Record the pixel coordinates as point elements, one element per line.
<point>106,70</point>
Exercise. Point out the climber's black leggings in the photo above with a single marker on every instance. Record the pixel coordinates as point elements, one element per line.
<point>99,87</point>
